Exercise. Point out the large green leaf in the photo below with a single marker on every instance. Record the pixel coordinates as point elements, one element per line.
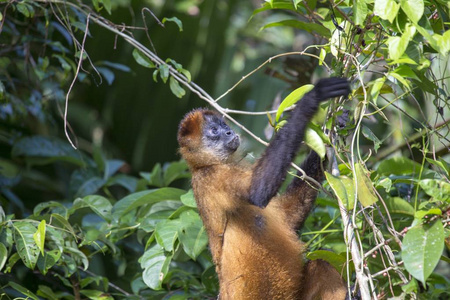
<point>166,233</point>
<point>422,248</point>
<point>386,9</point>
<point>100,205</point>
<point>192,234</point>
<point>360,11</point>
<point>398,166</point>
<point>148,197</point>
<point>25,244</point>
<point>413,9</point>
<point>44,150</point>
<point>155,263</point>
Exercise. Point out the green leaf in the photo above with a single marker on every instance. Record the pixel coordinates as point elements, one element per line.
<point>413,9</point>
<point>25,9</point>
<point>309,27</point>
<point>376,88</point>
<point>79,256</point>
<point>96,295</point>
<point>155,263</point>
<point>48,260</point>
<point>23,290</point>
<point>164,72</point>
<point>143,60</point>
<point>398,166</point>
<point>39,236</point>
<point>3,255</point>
<point>175,87</point>
<point>292,98</point>
<point>192,234</point>
<point>398,45</point>
<point>386,9</point>
<point>397,205</point>
<point>313,140</point>
<point>422,248</point>
<point>106,5</point>
<point>365,192</point>
<point>188,199</point>
<point>44,150</point>
<point>26,247</point>
<point>166,233</point>
<point>368,134</point>
<point>360,11</point>
<point>343,188</point>
<point>322,56</point>
<point>46,292</point>
<point>148,197</point>
<point>174,171</point>
<point>98,204</point>
<point>438,189</point>
<point>174,20</point>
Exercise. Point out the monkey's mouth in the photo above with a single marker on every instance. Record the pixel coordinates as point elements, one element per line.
<point>233,144</point>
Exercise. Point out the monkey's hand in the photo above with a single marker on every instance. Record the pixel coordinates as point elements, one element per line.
<point>331,87</point>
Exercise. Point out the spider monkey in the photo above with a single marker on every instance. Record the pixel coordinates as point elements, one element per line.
<point>251,229</point>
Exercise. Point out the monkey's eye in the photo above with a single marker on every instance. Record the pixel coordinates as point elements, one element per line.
<point>214,131</point>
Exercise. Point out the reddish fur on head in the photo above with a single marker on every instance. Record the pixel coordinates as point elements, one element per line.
<point>190,134</point>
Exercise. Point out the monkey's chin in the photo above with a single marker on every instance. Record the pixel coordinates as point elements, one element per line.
<point>233,144</point>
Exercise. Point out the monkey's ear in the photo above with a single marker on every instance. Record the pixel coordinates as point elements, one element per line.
<point>190,129</point>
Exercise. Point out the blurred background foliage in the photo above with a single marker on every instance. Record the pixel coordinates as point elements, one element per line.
<point>115,219</point>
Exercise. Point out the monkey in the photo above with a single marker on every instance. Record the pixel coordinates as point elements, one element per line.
<point>252,230</point>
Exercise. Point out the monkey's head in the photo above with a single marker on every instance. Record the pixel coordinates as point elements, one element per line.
<point>205,138</point>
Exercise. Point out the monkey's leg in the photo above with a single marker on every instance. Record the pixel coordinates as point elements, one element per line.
<point>300,195</point>
<point>323,282</point>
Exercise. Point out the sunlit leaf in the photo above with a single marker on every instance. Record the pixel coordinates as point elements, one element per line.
<point>292,98</point>
<point>360,11</point>
<point>39,236</point>
<point>313,140</point>
<point>413,9</point>
<point>386,9</point>
<point>188,199</point>
<point>366,194</point>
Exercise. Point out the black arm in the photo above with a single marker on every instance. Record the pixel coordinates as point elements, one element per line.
<point>270,170</point>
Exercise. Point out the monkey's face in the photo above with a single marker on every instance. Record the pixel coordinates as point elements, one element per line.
<point>219,137</point>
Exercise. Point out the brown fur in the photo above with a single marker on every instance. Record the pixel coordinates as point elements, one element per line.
<point>256,250</point>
